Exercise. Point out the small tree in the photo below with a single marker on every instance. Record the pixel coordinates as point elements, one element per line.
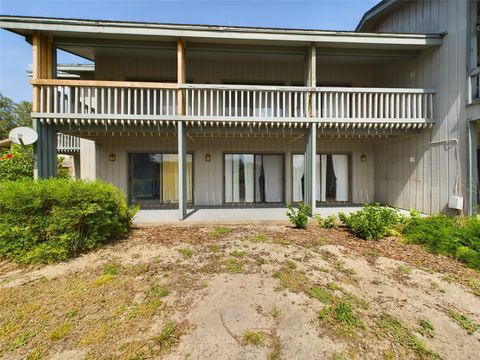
<point>13,115</point>
<point>298,217</point>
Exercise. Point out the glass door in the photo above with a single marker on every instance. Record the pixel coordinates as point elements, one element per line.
<point>251,178</point>
<point>154,178</point>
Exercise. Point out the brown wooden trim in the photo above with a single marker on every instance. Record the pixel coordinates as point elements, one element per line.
<point>104,83</point>
<point>181,75</point>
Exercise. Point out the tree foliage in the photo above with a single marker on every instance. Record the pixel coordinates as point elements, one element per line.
<point>13,114</point>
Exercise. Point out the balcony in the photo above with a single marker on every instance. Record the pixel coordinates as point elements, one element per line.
<point>134,103</point>
<point>67,144</point>
<point>474,86</point>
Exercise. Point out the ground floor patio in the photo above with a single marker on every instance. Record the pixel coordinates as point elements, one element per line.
<point>231,215</point>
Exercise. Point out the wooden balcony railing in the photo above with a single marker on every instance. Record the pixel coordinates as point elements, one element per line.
<point>67,99</point>
<point>474,85</point>
<point>67,143</point>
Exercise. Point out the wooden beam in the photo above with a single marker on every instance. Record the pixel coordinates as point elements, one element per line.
<point>182,171</point>
<point>181,75</point>
<point>104,83</point>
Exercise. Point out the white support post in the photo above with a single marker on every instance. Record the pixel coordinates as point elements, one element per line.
<point>472,168</point>
<point>182,170</point>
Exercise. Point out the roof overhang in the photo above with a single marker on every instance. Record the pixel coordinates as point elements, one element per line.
<point>369,19</point>
<point>101,30</point>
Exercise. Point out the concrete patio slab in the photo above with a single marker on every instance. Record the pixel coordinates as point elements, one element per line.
<point>228,215</point>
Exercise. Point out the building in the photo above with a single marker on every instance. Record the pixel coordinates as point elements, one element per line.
<point>237,116</point>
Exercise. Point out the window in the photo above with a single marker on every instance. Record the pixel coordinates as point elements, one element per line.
<point>154,178</point>
<point>253,178</point>
<point>332,177</point>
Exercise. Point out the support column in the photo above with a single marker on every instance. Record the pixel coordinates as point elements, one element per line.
<point>472,168</point>
<point>311,133</point>
<point>181,133</point>
<point>182,170</point>
<point>43,67</point>
<point>45,164</point>
<point>310,164</point>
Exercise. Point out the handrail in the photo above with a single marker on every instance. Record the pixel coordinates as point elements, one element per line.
<point>160,85</point>
<point>104,83</point>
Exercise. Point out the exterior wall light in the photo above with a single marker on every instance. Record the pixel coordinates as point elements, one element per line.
<point>208,157</point>
<point>112,157</point>
<point>363,158</point>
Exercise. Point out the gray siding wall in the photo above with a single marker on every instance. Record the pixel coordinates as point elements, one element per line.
<point>443,69</point>
<point>208,176</point>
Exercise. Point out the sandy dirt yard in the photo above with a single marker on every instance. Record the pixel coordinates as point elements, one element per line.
<point>242,292</point>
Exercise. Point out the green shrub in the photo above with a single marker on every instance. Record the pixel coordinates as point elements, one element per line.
<point>51,220</point>
<point>371,222</point>
<point>16,163</point>
<point>442,234</point>
<point>298,217</point>
<point>329,222</point>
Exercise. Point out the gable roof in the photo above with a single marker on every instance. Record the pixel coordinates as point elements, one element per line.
<point>371,16</point>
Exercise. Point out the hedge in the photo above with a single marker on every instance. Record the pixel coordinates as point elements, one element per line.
<point>51,220</point>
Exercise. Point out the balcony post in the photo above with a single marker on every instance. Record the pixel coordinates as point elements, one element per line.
<point>182,140</point>
<point>43,67</point>
<point>472,168</point>
<point>311,133</point>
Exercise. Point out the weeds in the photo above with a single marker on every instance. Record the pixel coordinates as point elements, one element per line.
<point>186,253</point>
<point>298,217</point>
<point>321,294</point>
<point>402,336</point>
<point>234,265</point>
<point>168,337</point>
<point>219,231</point>
<point>60,331</point>
<point>426,328</point>
<point>464,322</point>
<point>404,269</point>
<point>253,338</point>
<point>343,317</point>
<point>292,280</point>
<point>214,248</point>
<point>328,223</point>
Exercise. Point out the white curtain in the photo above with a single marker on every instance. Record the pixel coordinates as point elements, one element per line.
<point>228,179</point>
<point>298,170</point>
<point>340,166</point>
<point>323,177</point>
<point>273,168</point>
<point>248,170</point>
<point>236,178</point>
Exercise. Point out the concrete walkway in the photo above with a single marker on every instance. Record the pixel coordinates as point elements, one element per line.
<point>227,215</point>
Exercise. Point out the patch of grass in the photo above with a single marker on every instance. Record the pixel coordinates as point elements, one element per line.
<point>71,313</point>
<point>334,286</point>
<point>343,316</point>
<point>112,269</point>
<point>102,280</point>
<point>21,340</point>
<point>260,261</point>
<point>36,354</point>
<point>274,355</point>
<point>290,279</point>
<point>402,336</point>
<point>338,356</point>
<point>169,336</point>
<point>155,291</point>
<point>321,294</point>
<point>238,254</point>
<point>60,331</point>
<point>234,265</point>
<point>404,269</point>
<point>219,231</point>
<point>258,238</point>
<point>474,285</point>
<point>464,322</point>
<point>426,328</point>
<point>253,337</point>
<point>186,253</point>
<point>145,309</point>
<point>214,248</point>
<point>291,264</point>
<point>275,313</point>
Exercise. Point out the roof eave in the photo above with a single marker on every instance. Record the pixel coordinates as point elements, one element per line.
<point>371,15</point>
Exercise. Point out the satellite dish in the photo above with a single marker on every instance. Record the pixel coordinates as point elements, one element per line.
<point>23,135</point>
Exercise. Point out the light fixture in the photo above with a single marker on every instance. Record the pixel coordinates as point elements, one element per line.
<point>363,158</point>
<point>208,157</point>
<point>112,157</point>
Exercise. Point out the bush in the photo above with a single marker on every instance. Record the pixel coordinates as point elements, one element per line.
<point>16,163</point>
<point>372,222</point>
<point>442,234</point>
<point>327,223</point>
<point>298,217</point>
<point>51,220</point>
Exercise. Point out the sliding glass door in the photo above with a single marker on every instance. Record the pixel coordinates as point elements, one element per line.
<point>154,178</point>
<point>332,177</point>
<point>254,178</point>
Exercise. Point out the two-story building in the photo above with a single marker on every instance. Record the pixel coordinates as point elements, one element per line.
<point>238,116</point>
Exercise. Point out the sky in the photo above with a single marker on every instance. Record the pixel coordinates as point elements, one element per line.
<point>16,55</point>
